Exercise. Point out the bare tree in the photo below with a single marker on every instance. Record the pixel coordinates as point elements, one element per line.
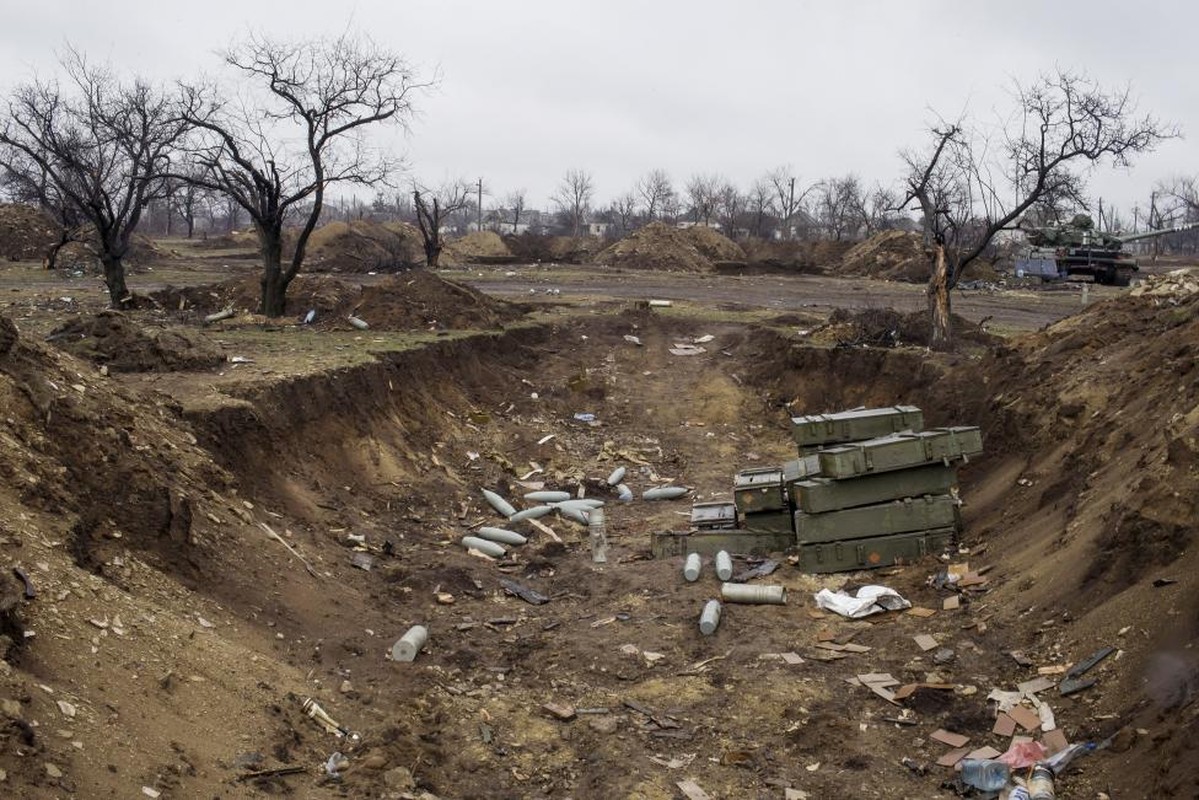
<point>188,201</point>
<point>30,184</point>
<point>433,208</point>
<point>971,182</point>
<point>760,203</point>
<point>573,198</point>
<point>656,192</point>
<point>840,206</point>
<point>703,195</point>
<point>99,147</point>
<point>280,151</point>
<point>622,211</point>
<point>790,197</point>
<point>516,205</point>
<point>730,205</point>
<point>880,212</point>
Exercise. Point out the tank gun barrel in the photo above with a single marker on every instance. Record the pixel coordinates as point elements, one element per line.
<point>1136,237</point>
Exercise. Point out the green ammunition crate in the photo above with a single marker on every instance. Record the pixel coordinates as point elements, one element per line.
<point>665,544</point>
<point>759,489</point>
<point>798,469</point>
<point>818,495</point>
<point>715,516</point>
<point>898,516</point>
<point>818,430</point>
<point>775,521</point>
<point>874,551</point>
<point>900,451</point>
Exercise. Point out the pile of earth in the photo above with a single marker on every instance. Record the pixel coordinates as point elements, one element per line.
<point>886,327</point>
<point>658,246</point>
<point>889,255</point>
<point>415,300</point>
<point>26,233</point>
<point>478,247</point>
<point>792,255</point>
<point>363,246</point>
<point>112,339</point>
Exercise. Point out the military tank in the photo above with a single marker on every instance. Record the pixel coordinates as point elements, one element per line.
<point>1078,248</point>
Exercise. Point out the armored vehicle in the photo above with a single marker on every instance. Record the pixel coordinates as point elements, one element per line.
<point>1061,251</point>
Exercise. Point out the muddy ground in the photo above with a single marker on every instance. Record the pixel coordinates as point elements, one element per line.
<point>172,635</point>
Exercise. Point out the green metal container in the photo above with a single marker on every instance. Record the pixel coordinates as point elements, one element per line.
<point>901,451</point>
<point>776,521</point>
<point>818,430</point>
<point>898,516</point>
<point>714,516</point>
<point>818,495</point>
<point>874,551</point>
<point>668,544</point>
<point>759,489</point>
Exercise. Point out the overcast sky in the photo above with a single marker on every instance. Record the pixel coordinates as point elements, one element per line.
<point>532,88</point>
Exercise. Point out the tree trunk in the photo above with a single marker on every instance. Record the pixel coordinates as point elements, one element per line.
<point>274,283</point>
<point>938,301</point>
<point>433,252</point>
<point>191,225</point>
<point>114,276</point>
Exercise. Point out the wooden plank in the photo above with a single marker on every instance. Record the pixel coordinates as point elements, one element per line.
<point>692,791</point>
<point>949,737</point>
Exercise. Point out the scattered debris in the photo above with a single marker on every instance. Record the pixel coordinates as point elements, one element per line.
<point>531,596</point>
<point>868,600</point>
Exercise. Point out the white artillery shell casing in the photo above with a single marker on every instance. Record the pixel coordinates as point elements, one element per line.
<point>493,549</point>
<point>501,535</point>
<point>692,567</point>
<point>724,565</point>
<point>408,645</point>
<point>709,620</point>
<point>664,492</point>
<point>749,593</point>
<point>536,512</point>
<point>498,503</point>
<point>547,496</point>
<point>617,476</point>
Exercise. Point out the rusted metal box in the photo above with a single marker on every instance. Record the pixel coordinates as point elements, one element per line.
<point>715,516</point>
<point>900,451</point>
<point>818,495</point>
<point>820,430</point>
<point>898,516</point>
<point>873,551</point>
<point>759,489</point>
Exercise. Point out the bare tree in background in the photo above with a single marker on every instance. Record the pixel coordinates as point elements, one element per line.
<point>516,205</point>
<point>730,205</point>
<point>972,182</point>
<point>98,146</point>
<point>703,194</point>
<point>573,198</point>
<point>30,184</point>
<point>789,195</point>
<point>622,211</point>
<point>840,206</point>
<point>656,192</point>
<point>433,208</point>
<point>188,201</point>
<point>281,150</point>
<point>880,212</point>
<point>760,203</point>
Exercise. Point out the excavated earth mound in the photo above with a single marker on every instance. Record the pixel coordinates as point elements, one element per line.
<point>890,255</point>
<point>362,246</point>
<point>414,300</point>
<point>661,247</point>
<point>26,234</point>
<point>112,339</point>
<point>480,247</point>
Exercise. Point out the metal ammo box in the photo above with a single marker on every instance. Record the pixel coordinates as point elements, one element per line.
<point>665,544</point>
<point>714,516</point>
<point>817,495</point>
<point>898,516</point>
<point>873,551</point>
<point>900,451</point>
<point>796,470</point>
<point>818,430</point>
<point>775,521</point>
<point>759,489</point>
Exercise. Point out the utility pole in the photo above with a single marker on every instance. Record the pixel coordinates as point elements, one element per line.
<point>480,210</point>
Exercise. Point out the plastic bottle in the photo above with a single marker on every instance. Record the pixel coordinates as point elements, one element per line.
<point>599,536</point>
<point>985,774</point>
<point>1019,793</point>
<point>1040,785</point>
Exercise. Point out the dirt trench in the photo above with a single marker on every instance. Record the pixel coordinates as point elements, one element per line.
<point>396,451</point>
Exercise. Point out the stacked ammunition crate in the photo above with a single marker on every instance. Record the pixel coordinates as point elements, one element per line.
<point>870,488</point>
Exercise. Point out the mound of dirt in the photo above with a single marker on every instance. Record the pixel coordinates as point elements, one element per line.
<point>659,247</point>
<point>1174,286</point>
<point>816,257</point>
<point>415,300</point>
<point>116,341</point>
<point>362,246</point>
<point>886,327</point>
<point>423,300</point>
<point>890,255</point>
<point>479,247</point>
<point>714,245</point>
<point>26,233</point>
